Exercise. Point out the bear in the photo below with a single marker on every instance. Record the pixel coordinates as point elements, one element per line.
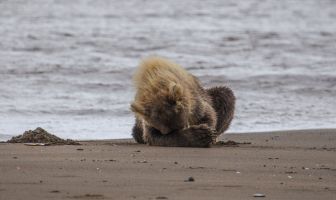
<point>172,109</point>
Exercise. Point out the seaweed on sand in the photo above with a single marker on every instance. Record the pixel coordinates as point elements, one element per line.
<point>39,135</point>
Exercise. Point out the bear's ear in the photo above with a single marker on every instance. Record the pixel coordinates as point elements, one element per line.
<point>175,91</point>
<point>136,108</point>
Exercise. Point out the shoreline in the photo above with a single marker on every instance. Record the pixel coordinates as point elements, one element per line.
<point>5,137</point>
<point>280,165</point>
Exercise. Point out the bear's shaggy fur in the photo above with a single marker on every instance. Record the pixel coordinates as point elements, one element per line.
<point>172,109</point>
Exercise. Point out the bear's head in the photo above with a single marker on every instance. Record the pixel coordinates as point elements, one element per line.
<point>166,108</point>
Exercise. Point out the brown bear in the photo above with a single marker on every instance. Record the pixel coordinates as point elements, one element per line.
<point>172,109</point>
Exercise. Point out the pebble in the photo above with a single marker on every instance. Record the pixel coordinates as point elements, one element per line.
<point>259,195</point>
<point>190,179</point>
<point>161,197</point>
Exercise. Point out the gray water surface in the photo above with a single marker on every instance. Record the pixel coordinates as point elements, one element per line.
<point>67,65</point>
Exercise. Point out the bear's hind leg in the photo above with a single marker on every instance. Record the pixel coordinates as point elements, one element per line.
<point>223,101</point>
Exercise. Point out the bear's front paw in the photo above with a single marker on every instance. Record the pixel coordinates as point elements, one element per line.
<point>200,135</point>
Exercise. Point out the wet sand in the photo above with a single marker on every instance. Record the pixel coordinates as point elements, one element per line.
<point>280,165</point>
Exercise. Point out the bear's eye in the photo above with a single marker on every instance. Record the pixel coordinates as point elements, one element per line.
<point>171,102</point>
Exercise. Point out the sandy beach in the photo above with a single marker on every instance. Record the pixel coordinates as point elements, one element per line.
<point>279,165</point>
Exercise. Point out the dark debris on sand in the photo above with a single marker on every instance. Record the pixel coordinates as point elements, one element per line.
<point>230,143</point>
<point>39,135</point>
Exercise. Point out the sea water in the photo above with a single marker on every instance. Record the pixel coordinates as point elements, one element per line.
<point>66,66</point>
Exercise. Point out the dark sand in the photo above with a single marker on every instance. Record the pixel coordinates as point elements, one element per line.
<point>280,165</point>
